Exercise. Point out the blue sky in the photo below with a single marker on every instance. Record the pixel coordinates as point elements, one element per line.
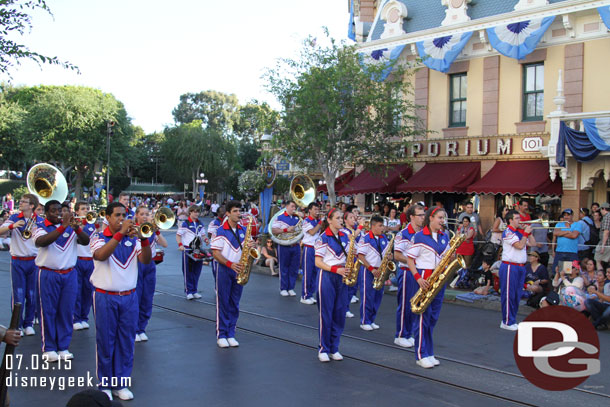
<point>149,52</point>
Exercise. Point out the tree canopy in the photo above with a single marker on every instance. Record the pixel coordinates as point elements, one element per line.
<point>337,112</point>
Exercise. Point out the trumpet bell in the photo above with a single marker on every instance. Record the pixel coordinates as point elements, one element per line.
<point>164,218</point>
<point>146,230</point>
<point>47,183</point>
<point>302,190</point>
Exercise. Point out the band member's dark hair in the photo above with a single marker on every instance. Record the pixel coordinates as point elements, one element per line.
<point>112,205</point>
<point>376,219</point>
<point>331,215</point>
<point>521,201</point>
<point>431,212</point>
<point>233,204</point>
<point>288,202</point>
<point>141,208</point>
<point>311,205</point>
<point>595,203</point>
<point>194,208</point>
<point>124,194</point>
<point>509,216</point>
<point>350,208</point>
<point>468,203</point>
<point>32,198</point>
<point>78,205</point>
<point>52,202</point>
<point>220,208</point>
<point>412,209</point>
<point>65,205</point>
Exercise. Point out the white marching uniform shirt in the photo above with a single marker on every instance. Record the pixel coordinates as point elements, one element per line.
<point>509,252</point>
<point>369,248</point>
<point>20,246</point>
<point>120,271</point>
<point>188,230</point>
<point>226,248</point>
<point>59,255</point>
<point>308,224</point>
<point>85,250</point>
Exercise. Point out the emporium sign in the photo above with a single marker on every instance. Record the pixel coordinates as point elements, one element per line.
<point>476,147</point>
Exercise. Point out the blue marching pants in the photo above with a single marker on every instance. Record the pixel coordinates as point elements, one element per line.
<point>116,318</point>
<point>147,279</point>
<point>24,274</point>
<point>511,286</point>
<point>352,291</point>
<point>424,326</point>
<point>288,257</point>
<point>191,271</point>
<point>214,270</point>
<point>228,294</point>
<point>405,319</point>
<point>332,305</point>
<point>310,272</point>
<point>371,298</point>
<point>57,298</point>
<point>84,290</point>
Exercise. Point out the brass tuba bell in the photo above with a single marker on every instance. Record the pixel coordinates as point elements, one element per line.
<point>47,183</point>
<point>164,219</point>
<point>302,190</point>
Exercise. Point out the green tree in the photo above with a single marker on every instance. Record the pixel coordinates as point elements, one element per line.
<point>216,110</point>
<point>16,20</point>
<point>256,119</point>
<point>338,112</point>
<point>13,149</point>
<point>67,126</point>
<point>145,156</point>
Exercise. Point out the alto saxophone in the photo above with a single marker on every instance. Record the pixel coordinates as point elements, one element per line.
<point>247,258</point>
<point>351,263</point>
<point>386,267</point>
<point>443,272</point>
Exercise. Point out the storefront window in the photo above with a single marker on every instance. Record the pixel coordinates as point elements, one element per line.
<point>533,92</point>
<point>457,100</point>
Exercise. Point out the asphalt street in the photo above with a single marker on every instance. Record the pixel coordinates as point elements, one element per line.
<point>276,363</point>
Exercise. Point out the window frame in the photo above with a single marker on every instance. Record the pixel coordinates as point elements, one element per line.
<point>453,100</point>
<point>526,93</point>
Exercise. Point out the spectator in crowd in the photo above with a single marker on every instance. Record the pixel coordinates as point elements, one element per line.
<point>376,209</point>
<point>595,229</point>
<point>589,273</point>
<point>475,220</point>
<point>270,255</point>
<point>488,278</point>
<point>524,210</point>
<point>566,235</point>
<point>594,207</point>
<point>392,224</point>
<point>214,208</point>
<point>498,226</point>
<point>7,203</point>
<point>5,238</point>
<point>542,240</point>
<point>183,211</point>
<point>536,278</point>
<point>466,249</point>
<point>562,280</point>
<point>386,210</point>
<point>583,238</point>
<point>600,308</point>
<point>600,281</point>
<point>403,215</point>
<point>602,251</point>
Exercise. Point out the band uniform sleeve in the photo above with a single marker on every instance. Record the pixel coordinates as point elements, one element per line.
<point>7,222</point>
<point>38,232</point>
<point>363,247</point>
<point>202,232</point>
<point>320,248</point>
<point>415,250</point>
<point>307,226</point>
<point>95,242</point>
<point>217,243</point>
<point>181,229</point>
<point>138,247</point>
<point>510,237</point>
<point>277,224</point>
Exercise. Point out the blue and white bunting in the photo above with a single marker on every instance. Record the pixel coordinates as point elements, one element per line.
<point>518,40</point>
<point>604,12</point>
<point>384,56</point>
<point>439,53</point>
<point>351,32</point>
<point>598,131</point>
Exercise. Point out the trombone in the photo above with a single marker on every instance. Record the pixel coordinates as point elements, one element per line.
<point>164,219</point>
<point>91,217</point>
<point>545,224</point>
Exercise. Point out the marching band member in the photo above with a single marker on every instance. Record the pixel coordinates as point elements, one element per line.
<point>407,286</point>
<point>227,249</point>
<point>24,271</point>
<point>288,255</point>
<point>311,232</point>
<point>188,231</point>
<point>331,254</point>
<point>116,253</point>
<point>57,280</point>
<point>370,252</point>
<point>512,269</point>
<point>212,228</point>
<point>124,200</point>
<point>428,247</point>
<point>84,268</point>
<point>352,291</point>
<point>147,276</point>
<point>351,226</point>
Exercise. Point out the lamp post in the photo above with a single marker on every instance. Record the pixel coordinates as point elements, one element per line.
<point>201,181</point>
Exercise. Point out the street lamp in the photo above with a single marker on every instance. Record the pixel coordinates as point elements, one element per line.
<point>200,181</point>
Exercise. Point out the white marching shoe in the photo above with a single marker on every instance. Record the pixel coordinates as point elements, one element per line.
<point>197,295</point>
<point>108,393</point>
<point>307,301</point>
<point>222,343</point>
<point>292,293</point>
<point>51,356</point>
<point>138,339</point>
<point>434,360</point>
<point>374,325</point>
<point>143,337</point>
<point>348,314</point>
<point>85,324</point>
<point>284,293</point>
<point>512,327</point>
<point>77,326</point>
<point>323,357</point>
<point>123,394</point>
<point>190,296</point>
<point>366,327</point>
<point>65,355</point>
<point>29,331</point>
<point>336,356</point>
<point>233,342</point>
<point>425,363</point>
<point>404,342</point>
<point>354,299</point>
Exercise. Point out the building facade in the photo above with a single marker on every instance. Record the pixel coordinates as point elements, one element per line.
<point>495,79</point>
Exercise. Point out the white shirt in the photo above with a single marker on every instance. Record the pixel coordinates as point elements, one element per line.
<point>119,272</point>
<point>424,249</point>
<point>370,245</point>
<point>509,252</point>
<point>59,255</point>
<point>225,242</point>
<point>84,250</point>
<point>188,230</point>
<point>21,247</point>
<point>308,224</point>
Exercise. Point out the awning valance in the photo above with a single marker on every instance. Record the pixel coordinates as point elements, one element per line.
<point>382,181</point>
<point>443,177</point>
<point>518,177</point>
<point>341,181</point>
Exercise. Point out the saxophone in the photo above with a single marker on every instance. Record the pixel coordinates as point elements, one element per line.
<point>386,267</point>
<point>247,258</point>
<point>443,272</point>
<point>351,262</point>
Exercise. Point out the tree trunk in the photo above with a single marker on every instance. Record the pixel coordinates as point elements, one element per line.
<point>78,184</point>
<point>330,177</point>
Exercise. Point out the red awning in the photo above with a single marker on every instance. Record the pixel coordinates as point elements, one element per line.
<point>443,177</point>
<point>382,181</point>
<point>518,177</point>
<point>340,181</point>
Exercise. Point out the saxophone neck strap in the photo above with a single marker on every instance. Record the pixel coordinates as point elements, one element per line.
<point>340,245</point>
<point>236,237</point>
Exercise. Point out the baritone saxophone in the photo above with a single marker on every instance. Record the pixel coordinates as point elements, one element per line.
<point>247,257</point>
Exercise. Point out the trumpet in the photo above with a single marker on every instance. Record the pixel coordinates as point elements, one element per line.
<point>164,219</point>
<point>27,231</point>
<point>90,217</point>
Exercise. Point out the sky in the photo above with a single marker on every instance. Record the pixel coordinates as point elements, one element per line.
<point>149,52</point>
